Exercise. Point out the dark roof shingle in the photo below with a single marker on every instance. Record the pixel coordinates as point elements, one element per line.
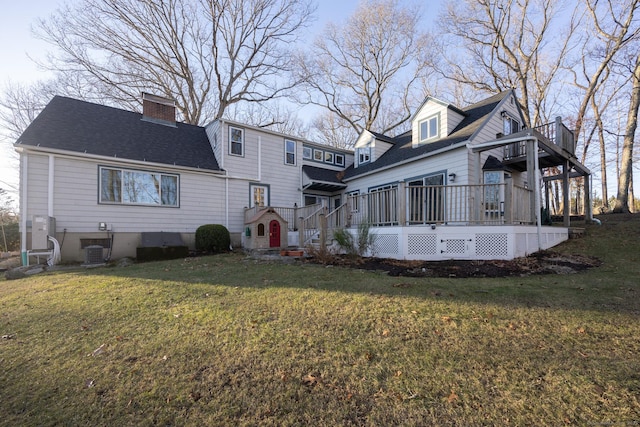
<point>71,125</point>
<point>402,150</point>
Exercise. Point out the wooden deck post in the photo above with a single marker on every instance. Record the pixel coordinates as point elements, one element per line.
<point>401,208</point>
<point>508,200</point>
<point>300,231</point>
<point>588,210</point>
<point>323,230</point>
<point>566,200</point>
<point>531,176</point>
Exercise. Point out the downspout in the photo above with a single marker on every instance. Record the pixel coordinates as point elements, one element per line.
<point>50,186</point>
<point>23,207</point>
<point>537,189</point>
<point>260,159</point>
<point>226,202</point>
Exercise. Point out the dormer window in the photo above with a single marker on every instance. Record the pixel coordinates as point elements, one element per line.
<point>364,155</point>
<point>429,128</point>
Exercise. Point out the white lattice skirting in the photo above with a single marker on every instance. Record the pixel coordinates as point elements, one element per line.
<point>464,242</point>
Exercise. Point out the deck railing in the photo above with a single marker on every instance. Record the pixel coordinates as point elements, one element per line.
<point>290,215</point>
<point>556,132</point>
<point>312,225</point>
<point>485,204</point>
<point>436,204</point>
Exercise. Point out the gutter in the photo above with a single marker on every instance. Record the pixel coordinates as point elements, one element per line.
<point>80,156</point>
<point>413,159</point>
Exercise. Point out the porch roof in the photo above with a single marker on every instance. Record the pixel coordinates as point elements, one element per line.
<point>320,179</point>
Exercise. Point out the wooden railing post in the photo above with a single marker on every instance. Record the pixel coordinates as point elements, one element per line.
<point>323,230</point>
<point>508,200</point>
<point>401,202</point>
<point>301,231</point>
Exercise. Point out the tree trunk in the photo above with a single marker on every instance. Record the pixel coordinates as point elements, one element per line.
<point>626,168</point>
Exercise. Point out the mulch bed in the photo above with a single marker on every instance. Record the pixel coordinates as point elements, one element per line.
<point>543,262</point>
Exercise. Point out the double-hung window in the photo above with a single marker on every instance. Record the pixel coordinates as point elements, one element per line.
<point>133,187</point>
<point>289,152</point>
<point>429,128</point>
<point>364,155</point>
<point>236,141</point>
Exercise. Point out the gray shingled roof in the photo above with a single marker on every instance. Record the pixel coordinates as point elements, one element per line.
<point>83,127</point>
<point>475,116</point>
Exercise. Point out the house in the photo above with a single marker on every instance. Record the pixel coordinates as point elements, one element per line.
<point>462,183</point>
<point>102,176</point>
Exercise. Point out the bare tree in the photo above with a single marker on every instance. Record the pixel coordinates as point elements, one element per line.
<point>332,130</point>
<point>273,115</point>
<point>205,54</point>
<point>626,167</point>
<point>19,105</point>
<point>614,25</point>
<point>366,70</point>
<point>507,44</point>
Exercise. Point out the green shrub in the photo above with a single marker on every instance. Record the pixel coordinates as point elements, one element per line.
<point>363,242</point>
<point>213,238</point>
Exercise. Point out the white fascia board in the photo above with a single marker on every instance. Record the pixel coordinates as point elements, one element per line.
<point>412,159</point>
<point>95,157</point>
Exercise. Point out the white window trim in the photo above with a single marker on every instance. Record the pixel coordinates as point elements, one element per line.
<point>122,201</point>
<point>295,147</point>
<point>231,153</point>
<point>429,137</point>
<point>364,153</point>
<point>307,153</point>
<point>341,161</point>
<point>318,153</point>
<point>267,195</point>
<point>328,157</point>
<point>508,117</point>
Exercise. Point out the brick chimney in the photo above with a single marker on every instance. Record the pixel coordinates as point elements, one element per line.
<point>158,109</point>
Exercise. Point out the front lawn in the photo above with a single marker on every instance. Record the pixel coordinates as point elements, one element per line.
<point>229,340</point>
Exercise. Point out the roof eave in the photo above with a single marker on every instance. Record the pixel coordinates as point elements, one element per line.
<point>412,159</point>
<point>76,155</point>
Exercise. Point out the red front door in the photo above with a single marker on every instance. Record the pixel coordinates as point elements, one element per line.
<point>274,234</point>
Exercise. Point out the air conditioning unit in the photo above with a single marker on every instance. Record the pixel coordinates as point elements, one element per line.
<point>93,255</point>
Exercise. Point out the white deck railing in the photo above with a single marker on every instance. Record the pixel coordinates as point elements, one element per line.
<point>486,204</point>
<point>290,215</point>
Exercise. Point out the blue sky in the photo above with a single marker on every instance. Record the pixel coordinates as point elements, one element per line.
<point>20,48</point>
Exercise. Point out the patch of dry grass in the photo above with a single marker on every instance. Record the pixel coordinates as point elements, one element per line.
<point>228,340</point>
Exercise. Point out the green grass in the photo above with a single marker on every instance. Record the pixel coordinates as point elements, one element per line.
<point>228,340</point>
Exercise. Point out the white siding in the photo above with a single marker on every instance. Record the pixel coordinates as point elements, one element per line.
<point>216,140</point>
<point>453,161</point>
<point>452,120</point>
<point>428,109</point>
<point>263,164</point>
<point>494,125</point>
<point>37,185</point>
<point>379,148</point>
<point>76,206</point>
